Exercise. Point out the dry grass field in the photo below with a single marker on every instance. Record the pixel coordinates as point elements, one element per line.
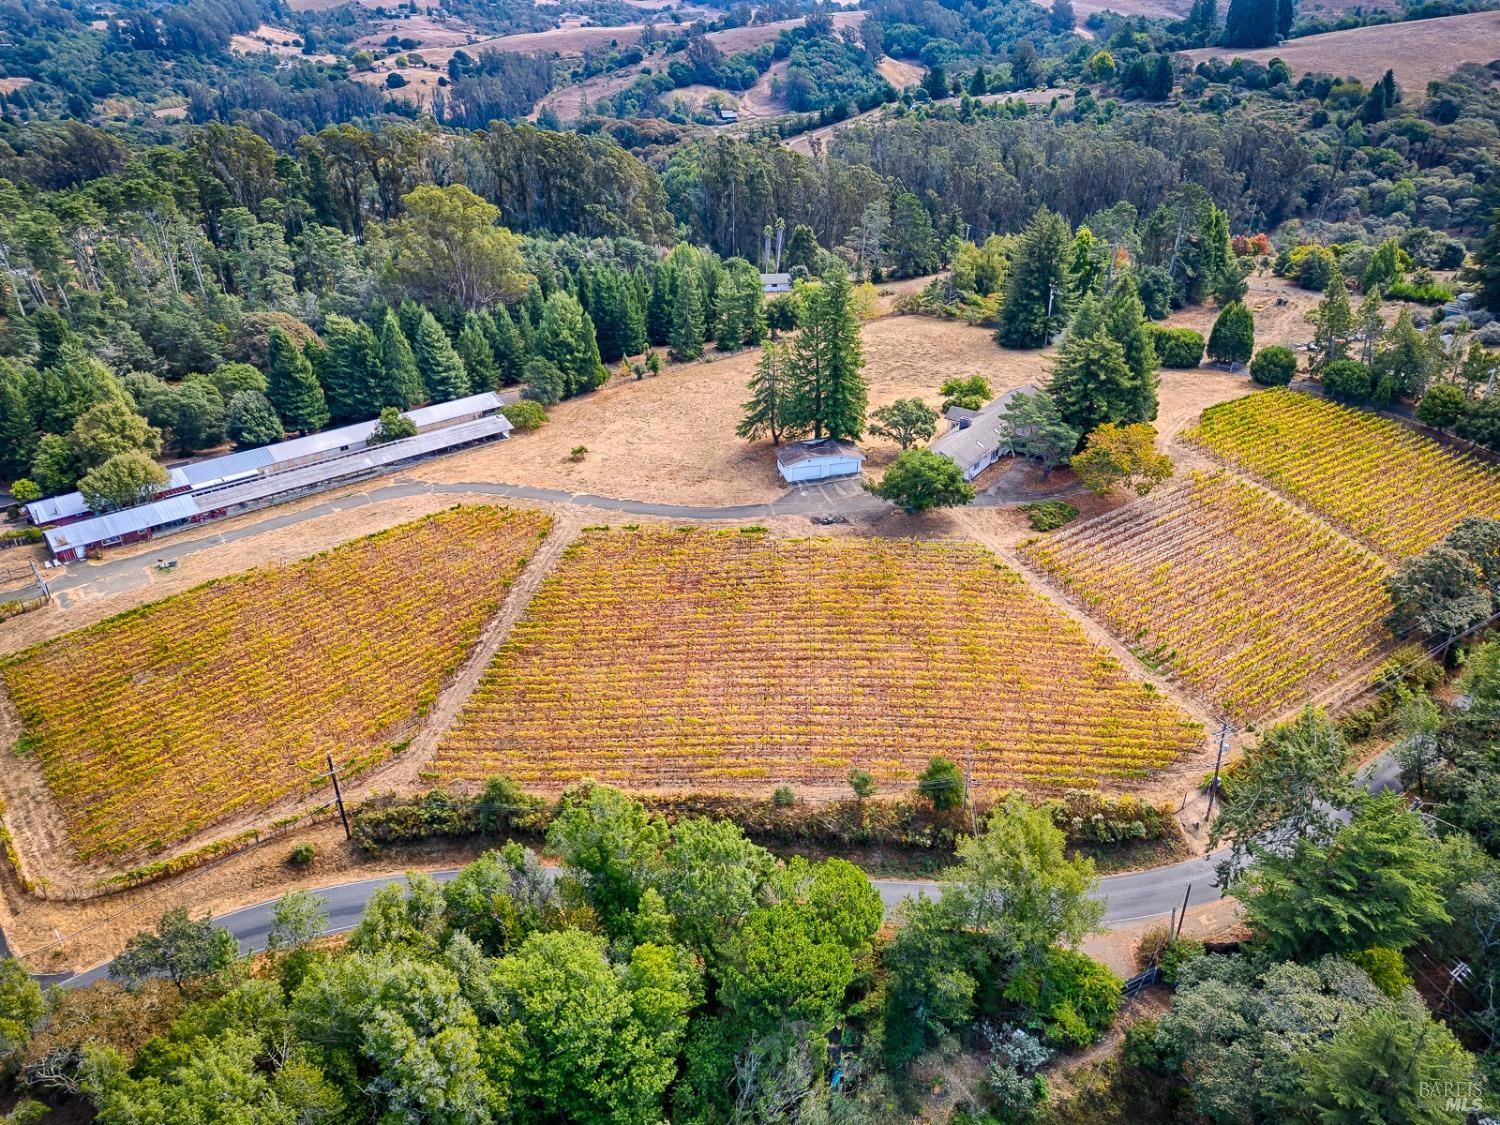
<point>570,102</point>
<point>277,41</point>
<point>427,30</point>
<point>671,437</point>
<point>900,73</point>
<point>1418,51</point>
<point>1394,489</point>
<point>748,38</point>
<point>1150,9</point>
<point>150,726</point>
<point>803,142</point>
<point>689,658</point>
<point>1238,596</point>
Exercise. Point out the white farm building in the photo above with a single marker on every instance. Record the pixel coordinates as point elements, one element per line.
<point>255,478</point>
<point>801,461</point>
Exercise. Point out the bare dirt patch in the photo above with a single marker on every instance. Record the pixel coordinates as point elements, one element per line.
<point>1418,51</point>
<point>1280,308</point>
<point>9,85</point>
<point>899,73</point>
<point>759,101</point>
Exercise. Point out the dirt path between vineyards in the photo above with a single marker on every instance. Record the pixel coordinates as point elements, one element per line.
<point>406,771</point>
<point>1165,783</point>
<point>42,850</point>
<point>39,829</point>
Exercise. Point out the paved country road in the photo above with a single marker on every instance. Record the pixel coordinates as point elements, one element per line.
<point>831,499</point>
<point>1128,898</point>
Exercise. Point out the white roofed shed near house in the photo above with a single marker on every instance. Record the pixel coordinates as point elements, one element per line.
<point>802,461</point>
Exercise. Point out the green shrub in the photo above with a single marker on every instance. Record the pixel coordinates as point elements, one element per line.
<point>1049,515</point>
<point>1386,968</point>
<point>942,783</point>
<point>1158,947</point>
<point>1088,816</point>
<point>1428,293</point>
<point>1315,269</point>
<point>302,855</point>
<point>1273,366</point>
<point>1347,380</point>
<point>1179,952</point>
<point>783,797</point>
<point>501,804</point>
<point>525,415</point>
<point>1177,347</point>
<point>1442,405</point>
<point>391,820</point>
<point>1067,996</point>
<point>1140,1049</point>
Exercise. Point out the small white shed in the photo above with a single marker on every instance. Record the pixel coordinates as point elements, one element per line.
<point>775,283</point>
<point>802,461</point>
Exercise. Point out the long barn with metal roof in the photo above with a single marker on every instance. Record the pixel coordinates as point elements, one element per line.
<point>253,478</point>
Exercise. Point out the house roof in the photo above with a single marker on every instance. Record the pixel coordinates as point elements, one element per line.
<point>57,508</point>
<point>440,412</point>
<point>795,452</point>
<point>123,522</point>
<point>973,435</point>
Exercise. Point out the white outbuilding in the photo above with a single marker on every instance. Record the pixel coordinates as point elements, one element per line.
<point>801,461</point>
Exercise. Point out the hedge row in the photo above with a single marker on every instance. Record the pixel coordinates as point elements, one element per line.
<point>903,822</point>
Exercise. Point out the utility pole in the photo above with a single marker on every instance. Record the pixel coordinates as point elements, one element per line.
<point>968,802</point>
<point>1225,730</point>
<point>1181,918</point>
<point>338,796</point>
<point>1051,293</point>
